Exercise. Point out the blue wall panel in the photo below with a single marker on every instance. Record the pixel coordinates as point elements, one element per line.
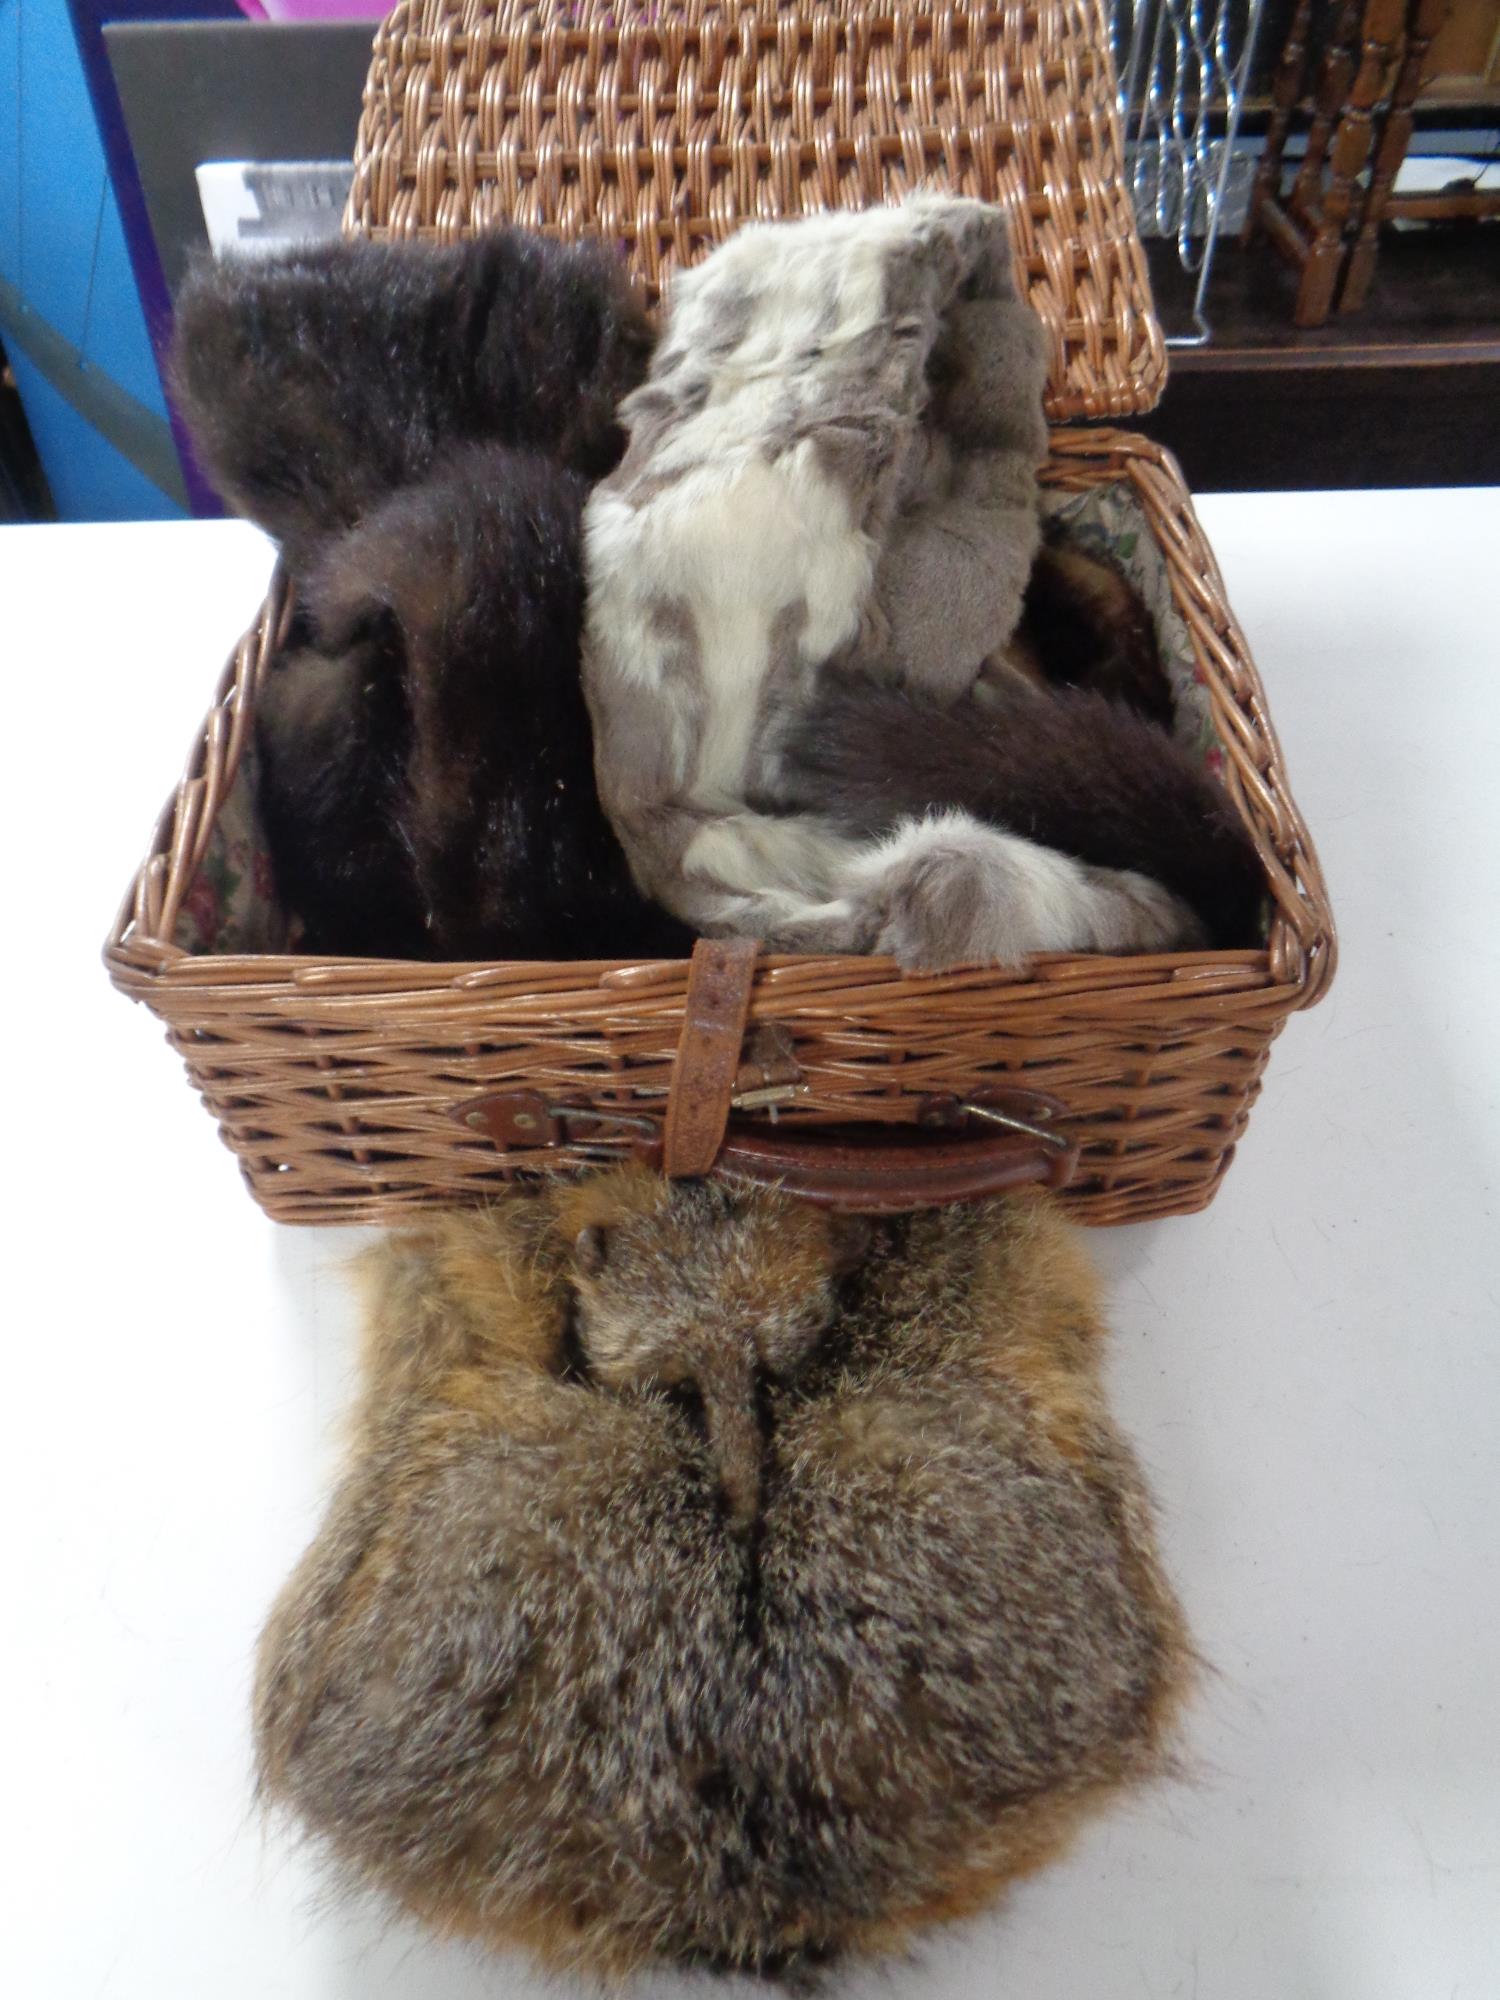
<point>67,273</point>
<point>117,338</point>
<point>10,95</point>
<point>90,480</point>
<point>61,170</point>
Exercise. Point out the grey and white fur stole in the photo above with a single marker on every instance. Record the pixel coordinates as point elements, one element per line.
<point>831,467</point>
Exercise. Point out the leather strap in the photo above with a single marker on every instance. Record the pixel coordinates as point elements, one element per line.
<point>892,1177</point>
<point>708,1055</point>
<point>866,1171</point>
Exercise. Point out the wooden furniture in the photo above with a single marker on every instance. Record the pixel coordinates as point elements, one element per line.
<point>1373,66</point>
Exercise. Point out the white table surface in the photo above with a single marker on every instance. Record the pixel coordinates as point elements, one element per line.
<point>1312,1369</point>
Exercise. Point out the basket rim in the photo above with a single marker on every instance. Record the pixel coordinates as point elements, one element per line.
<point>1292,971</point>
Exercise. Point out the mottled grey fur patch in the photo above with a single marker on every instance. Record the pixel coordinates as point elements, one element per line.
<point>731,319</point>
<point>785,693</point>
<point>655,412</point>
<point>855,456</point>
<point>679,660</point>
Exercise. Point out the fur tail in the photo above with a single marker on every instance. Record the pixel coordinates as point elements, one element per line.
<point>1070,772</point>
<point>315,382</point>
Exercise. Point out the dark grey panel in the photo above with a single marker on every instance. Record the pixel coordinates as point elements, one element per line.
<point>230,90</point>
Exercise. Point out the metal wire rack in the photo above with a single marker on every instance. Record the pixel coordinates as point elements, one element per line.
<point>1184,65</point>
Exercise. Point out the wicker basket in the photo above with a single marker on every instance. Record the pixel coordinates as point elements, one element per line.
<point>336,1083</point>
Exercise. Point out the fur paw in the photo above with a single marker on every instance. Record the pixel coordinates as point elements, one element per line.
<point>949,891</point>
<point>1134,913</point>
<point>939,913</point>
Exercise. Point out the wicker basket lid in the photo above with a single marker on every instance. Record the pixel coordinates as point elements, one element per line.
<point>664,126</point>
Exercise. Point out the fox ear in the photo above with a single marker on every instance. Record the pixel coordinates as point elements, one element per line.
<point>591,1250</point>
<point>851,1237</point>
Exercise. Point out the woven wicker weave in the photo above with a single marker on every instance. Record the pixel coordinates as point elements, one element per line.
<point>335,1082</point>
<point>665,126</point>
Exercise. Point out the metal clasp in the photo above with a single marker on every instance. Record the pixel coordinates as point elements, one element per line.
<point>992,1116</point>
<point>771,1054</point>
<point>1028,1113</point>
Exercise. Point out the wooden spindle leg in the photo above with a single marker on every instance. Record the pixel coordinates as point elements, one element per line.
<point>1395,124</point>
<point>1286,93</point>
<point>1308,203</point>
